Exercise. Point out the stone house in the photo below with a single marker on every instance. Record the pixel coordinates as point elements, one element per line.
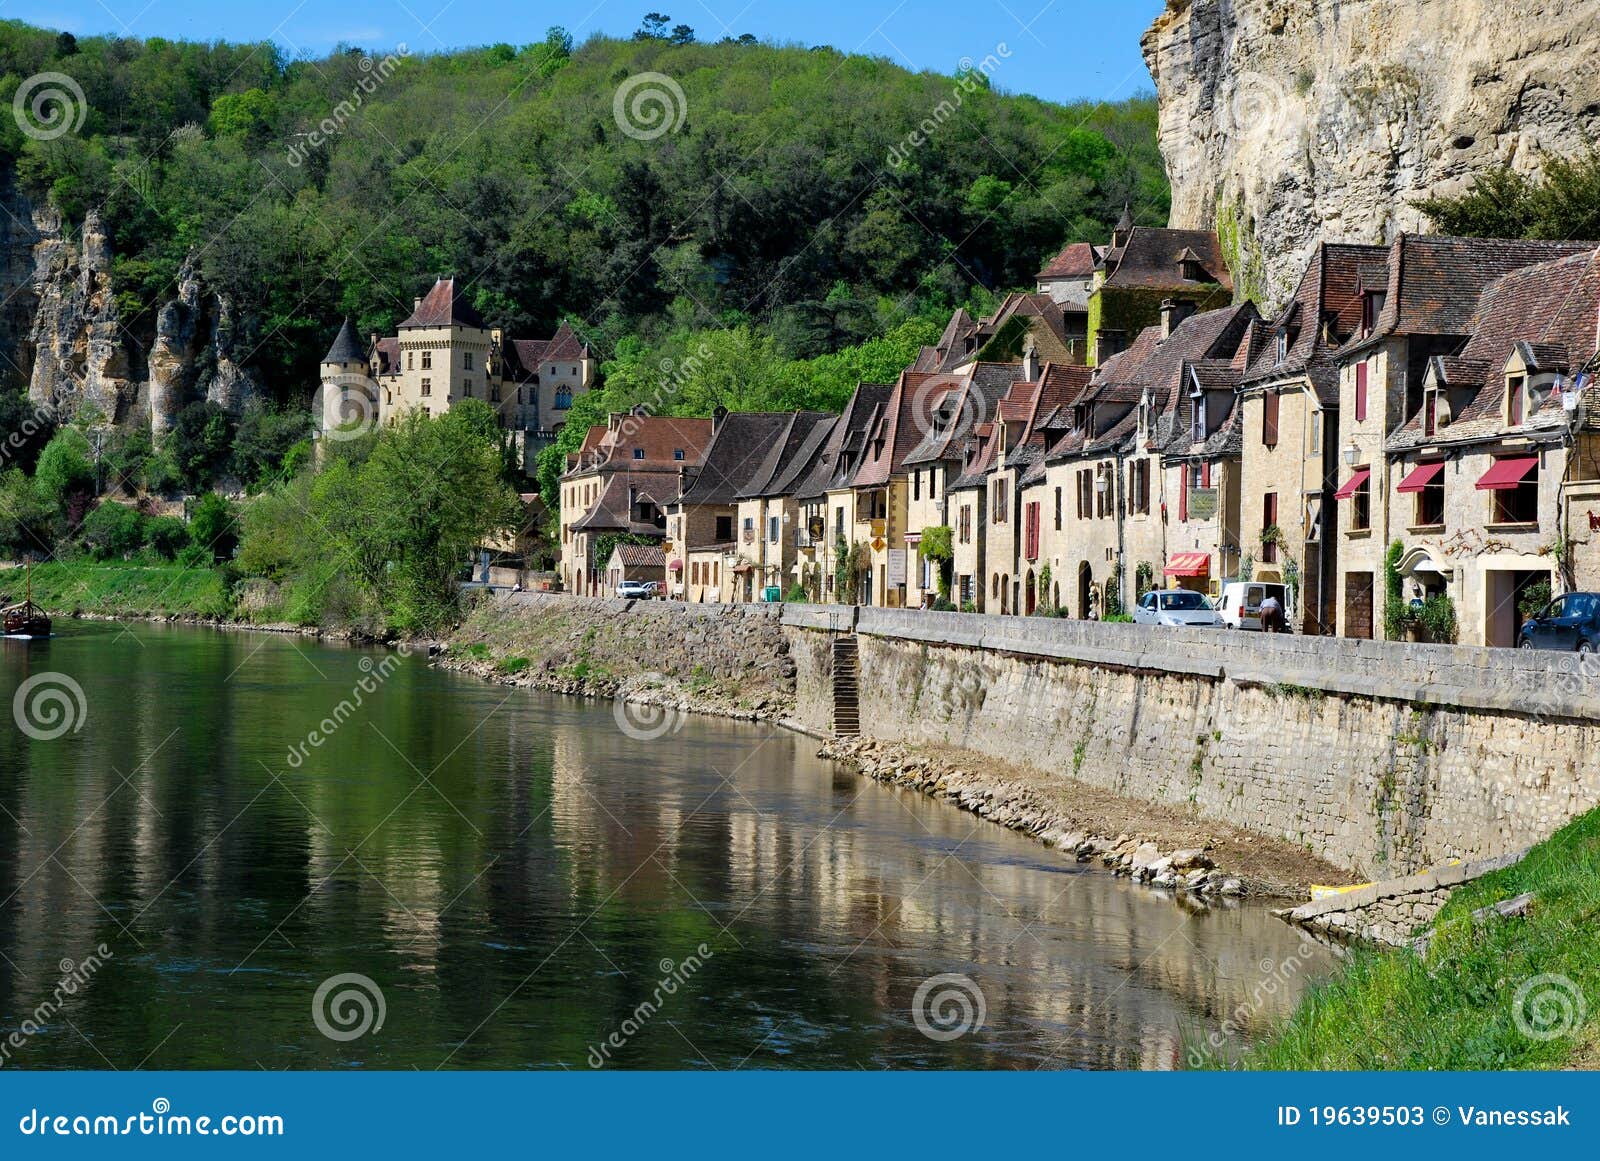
<point>1416,306</point>
<point>825,505</point>
<point>545,376</point>
<point>1479,473</point>
<point>620,481</point>
<point>1145,267</point>
<point>767,505</point>
<point>967,509</point>
<point>702,516</point>
<point>1288,403</point>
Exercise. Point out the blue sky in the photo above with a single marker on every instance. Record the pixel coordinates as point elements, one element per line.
<point>1061,50</point>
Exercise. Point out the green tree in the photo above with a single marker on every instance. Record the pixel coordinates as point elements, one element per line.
<point>214,526</point>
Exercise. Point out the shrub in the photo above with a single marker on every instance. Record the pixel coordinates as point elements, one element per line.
<point>1438,619</point>
<point>112,532</point>
<point>215,526</point>
<point>167,536</point>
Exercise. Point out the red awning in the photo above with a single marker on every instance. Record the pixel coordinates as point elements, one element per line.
<point>1353,484</point>
<point>1507,473</point>
<point>675,565</point>
<point>1189,564</point>
<point>1421,476</point>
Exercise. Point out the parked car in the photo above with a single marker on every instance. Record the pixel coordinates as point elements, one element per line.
<point>1240,603</point>
<point>1176,607</point>
<point>1569,623</point>
<point>636,590</point>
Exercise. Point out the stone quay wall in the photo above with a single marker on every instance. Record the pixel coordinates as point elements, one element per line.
<point>1383,758</point>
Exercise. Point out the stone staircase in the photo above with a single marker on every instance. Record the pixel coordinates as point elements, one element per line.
<point>846,701</point>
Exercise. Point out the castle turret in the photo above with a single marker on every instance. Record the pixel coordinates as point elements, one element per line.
<point>348,395</point>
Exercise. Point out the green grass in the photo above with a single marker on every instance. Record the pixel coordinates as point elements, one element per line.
<point>1453,1009</point>
<point>122,589</point>
<point>511,666</point>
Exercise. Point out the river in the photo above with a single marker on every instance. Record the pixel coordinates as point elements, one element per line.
<point>232,850</point>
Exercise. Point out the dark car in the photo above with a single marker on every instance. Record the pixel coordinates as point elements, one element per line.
<point>1568,623</point>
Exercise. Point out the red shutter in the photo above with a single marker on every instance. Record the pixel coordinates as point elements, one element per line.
<point>1205,474</point>
<point>1269,419</point>
<point>1269,509</point>
<point>1361,391</point>
<point>1183,494</point>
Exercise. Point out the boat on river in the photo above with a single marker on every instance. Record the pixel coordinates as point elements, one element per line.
<point>26,620</point>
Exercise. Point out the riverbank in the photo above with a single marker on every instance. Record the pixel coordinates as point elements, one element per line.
<point>135,591</point>
<point>1490,991</point>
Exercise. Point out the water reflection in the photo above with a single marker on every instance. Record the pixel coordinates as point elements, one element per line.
<point>517,876</point>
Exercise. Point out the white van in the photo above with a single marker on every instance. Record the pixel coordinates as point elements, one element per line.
<point>1240,603</point>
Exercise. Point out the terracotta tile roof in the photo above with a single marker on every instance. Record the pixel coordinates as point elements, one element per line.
<point>1434,282</point>
<point>610,512</point>
<point>1328,299</point>
<point>1151,257</point>
<point>641,555</point>
<point>389,356</point>
<point>443,306</point>
<point>900,425</point>
<point>1076,260</point>
<point>980,457</point>
<point>611,447</point>
<point>1551,314</point>
<point>565,346</point>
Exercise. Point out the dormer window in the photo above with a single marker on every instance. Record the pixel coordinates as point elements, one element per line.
<point>1079,415</point>
<point>1197,432</point>
<point>1281,349</point>
<point>638,453</point>
<point>1430,412</point>
<point>1371,307</point>
<point>1515,385</point>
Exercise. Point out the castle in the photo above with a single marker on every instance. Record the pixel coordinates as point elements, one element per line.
<point>444,353</point>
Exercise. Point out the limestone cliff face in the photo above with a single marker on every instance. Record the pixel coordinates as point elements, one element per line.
<point>62,334</point>
<point>1286,122</point>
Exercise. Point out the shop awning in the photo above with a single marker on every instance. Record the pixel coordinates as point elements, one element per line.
<point>1507,473</point>
<point>675,565</point>
<point>1189,564</point>
<point>1421,476</point>
<point>1353,484</point>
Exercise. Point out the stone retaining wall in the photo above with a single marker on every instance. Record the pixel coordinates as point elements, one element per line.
<point>1394,912</point>
<point>1382,758</point>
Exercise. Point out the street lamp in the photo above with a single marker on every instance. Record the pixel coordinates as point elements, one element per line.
<point>1352,454</point>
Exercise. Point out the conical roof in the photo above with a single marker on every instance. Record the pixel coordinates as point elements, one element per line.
<point>346,348</point>
<point>1125,223</point>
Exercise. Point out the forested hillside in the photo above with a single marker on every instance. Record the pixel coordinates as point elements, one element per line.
<point>773,203</point>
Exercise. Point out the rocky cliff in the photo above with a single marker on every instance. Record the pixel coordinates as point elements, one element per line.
<point>62,334</point>
<point>1286,122</point>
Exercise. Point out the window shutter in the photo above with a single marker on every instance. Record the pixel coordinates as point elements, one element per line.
<point>1361,391</point>
<point>1269,419</point>
<point>1183,494</point>
<point>1205,474</point>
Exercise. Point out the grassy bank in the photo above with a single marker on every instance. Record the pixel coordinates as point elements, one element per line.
<point>1486,995</point>
<point>123,590</point>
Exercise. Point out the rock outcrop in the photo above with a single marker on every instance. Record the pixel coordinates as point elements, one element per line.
<point>1285,122</point>
<point>63,334</point>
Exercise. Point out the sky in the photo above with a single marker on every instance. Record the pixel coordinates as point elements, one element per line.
<point>1062,50</point>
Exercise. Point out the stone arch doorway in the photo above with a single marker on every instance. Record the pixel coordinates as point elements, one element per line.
<point>1085,590</point>
<point>1030,588</point>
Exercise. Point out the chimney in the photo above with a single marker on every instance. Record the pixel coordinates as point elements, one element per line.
<point>1173,312</point>
<point>1030,359</point>
<point>416,304</point>
<point>717,416</point>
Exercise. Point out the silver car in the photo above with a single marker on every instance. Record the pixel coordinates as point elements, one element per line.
<point>1177,607</point>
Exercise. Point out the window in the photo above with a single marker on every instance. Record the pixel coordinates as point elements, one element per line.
<point>1361,391</point>
<point>494,394</point>
<point>997,504</point>
<point>1281,349</point>
<point>466,360</point>
<point>965,533</point>
<point>1269,519</point>
<point>1197,404</point>
<point>638,453</point>
<point>1314,435</point>
<point>1085,493</point>
<point>427,360</point>
<point>1361,505</point>
<point>1031,537</point>
<point>1514,400</point>
<point>1058,509</point>
<point>677,453</point>
<point>724,529</point>
<point>563,399</point>
<point>1430,412</point>
<point>1519,504</point>
<point>916,485</point>
<point>838,522</point>
<point>427,387</point>
<point>1371,307</point>
<point>466,388</point>
<point>774,529</point>
<point>1269,419</point>
<point>411,360</point>
<point>933,483</point>
<point>1430,502</point>
<point>1139,487</point>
